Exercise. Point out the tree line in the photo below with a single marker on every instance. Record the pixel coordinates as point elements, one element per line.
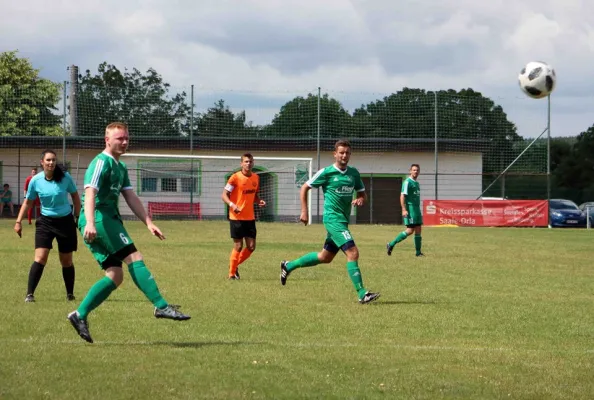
<point>145,101</point>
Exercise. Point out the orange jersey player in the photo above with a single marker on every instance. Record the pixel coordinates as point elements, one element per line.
<point>240,194</point>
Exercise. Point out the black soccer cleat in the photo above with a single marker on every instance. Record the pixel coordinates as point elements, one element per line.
<point>389,249</point>
<point>284,274</point>
<point>30,298</point>
<point>420,255</point>
<point>81,326</point>
<point>171,312</point>
<point>369,297</point>
<point>70,297</point>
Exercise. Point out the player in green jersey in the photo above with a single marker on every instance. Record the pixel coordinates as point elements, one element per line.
<point>338,182</point>
<point>410,200</point>
<point>104,234</point>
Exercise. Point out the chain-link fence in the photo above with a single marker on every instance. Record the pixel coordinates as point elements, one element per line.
<point>463,140</point>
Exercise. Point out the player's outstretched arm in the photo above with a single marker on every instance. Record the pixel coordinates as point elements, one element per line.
<point>227,200</point>
<point>18,226</point>
<point>304,217</point>
<point>90,232</point>
<point>76,203</point>
<point>137,208</point>
<point>360,200</point>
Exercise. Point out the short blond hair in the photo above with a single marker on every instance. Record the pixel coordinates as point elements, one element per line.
<point>115,125</point>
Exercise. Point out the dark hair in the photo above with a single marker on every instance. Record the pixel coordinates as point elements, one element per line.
<point>247,155</point>
<point>6,184</point>
<point>58,172</point>
<point>415,165</point>
<point>343,143</point>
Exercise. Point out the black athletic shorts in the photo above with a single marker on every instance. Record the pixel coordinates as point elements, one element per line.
<point>243,229</point>
<point>63,229</point>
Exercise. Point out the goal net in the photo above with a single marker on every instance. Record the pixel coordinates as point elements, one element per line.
<point>190,186</point>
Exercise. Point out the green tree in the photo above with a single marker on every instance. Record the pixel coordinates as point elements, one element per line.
<point>141,100</point>
<point>27,102</point>
<point>220,121</point>
<point>464,114</point>
<point>299,118</point>
<point>573,176</point>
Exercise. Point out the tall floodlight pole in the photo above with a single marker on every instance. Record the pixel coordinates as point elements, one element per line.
<point>549,156</point>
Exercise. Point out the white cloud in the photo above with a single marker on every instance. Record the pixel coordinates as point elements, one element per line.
<point>354,49</point>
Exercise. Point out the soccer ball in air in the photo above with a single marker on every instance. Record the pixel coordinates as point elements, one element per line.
<point>537,79</point>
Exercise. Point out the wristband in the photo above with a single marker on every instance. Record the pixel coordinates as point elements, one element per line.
<point>232,204</point>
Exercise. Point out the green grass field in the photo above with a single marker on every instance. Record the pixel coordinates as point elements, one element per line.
<point>487,314</point>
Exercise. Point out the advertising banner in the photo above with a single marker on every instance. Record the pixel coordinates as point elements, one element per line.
<point>486,212</point>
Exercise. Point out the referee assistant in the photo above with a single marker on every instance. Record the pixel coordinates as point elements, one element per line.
<point>57,221</point>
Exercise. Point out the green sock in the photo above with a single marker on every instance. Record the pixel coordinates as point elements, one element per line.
<point>356,278</point>
<point>418,241</point>
<point>401,236</point>
<point>96,295</point>
<point>143,279</point>
<point>308,260</point>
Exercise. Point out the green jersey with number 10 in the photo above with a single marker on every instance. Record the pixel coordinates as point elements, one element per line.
<point>338,187</point>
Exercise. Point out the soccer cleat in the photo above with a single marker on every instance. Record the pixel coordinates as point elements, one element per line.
<point>170,312</point>
<point>80,325</point>
<point>30,299</point>
<point>284,274</point>
<point>237,274</point>
<point>389,249</point>
<point>70,297</point>
<point>369,297</point>
<point>420,255</point>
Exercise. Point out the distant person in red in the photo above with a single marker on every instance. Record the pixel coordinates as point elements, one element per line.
<point>36,203</point>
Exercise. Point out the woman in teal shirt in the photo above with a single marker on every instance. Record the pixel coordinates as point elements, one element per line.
<point>57,221</point>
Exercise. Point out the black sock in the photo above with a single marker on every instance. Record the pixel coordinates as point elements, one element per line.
<point>34,276</point>
<point>68,275</point>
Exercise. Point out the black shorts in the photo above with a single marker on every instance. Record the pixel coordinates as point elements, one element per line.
<point>243,229</point>
<point>63,229</point>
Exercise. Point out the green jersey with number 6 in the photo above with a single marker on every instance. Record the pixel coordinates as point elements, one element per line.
<point>338,187</point>
<point>109,177</point>
<point>412,192</point>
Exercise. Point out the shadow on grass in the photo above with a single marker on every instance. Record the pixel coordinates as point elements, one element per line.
<point>402,302</point>
<point>181,345</point>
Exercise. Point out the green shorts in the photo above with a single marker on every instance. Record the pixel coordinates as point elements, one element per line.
<point>111,236</point>
<point>415,218</point>
<point>338,233</point>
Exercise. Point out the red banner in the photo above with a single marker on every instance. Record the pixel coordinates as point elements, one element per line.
<point>486,212</point>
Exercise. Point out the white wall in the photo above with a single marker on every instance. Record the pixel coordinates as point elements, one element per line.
<point>459,174</point>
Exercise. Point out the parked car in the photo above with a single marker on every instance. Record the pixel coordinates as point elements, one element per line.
<point>565,213</point>
<point>589,204</point>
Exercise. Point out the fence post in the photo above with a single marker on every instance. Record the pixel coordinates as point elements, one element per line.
<point>435,146</point>
<point>318,155</point>
<point>191,150</point>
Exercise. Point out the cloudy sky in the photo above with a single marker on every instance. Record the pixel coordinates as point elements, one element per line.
<point>258,54</point>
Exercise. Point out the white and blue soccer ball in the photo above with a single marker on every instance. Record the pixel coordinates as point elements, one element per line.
<point>537,79</point>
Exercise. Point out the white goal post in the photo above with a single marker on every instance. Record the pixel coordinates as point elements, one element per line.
<point>174,186</point>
